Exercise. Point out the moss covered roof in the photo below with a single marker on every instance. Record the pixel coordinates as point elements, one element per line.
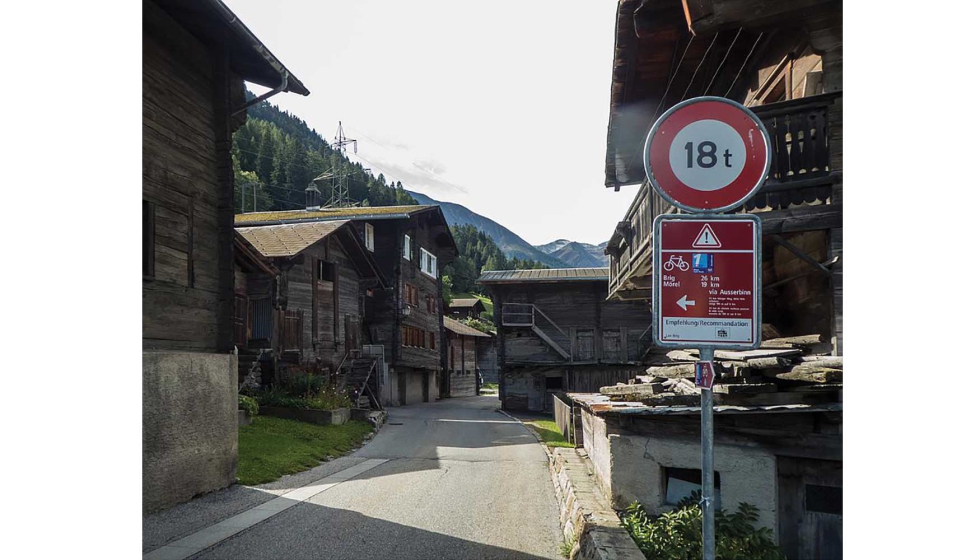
<point>365,212</point>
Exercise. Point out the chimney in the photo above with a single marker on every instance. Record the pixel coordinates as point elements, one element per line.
<point>312,198</point>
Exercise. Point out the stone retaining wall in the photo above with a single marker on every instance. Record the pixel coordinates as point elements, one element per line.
<point>592,527</point>
<point>190,425</point>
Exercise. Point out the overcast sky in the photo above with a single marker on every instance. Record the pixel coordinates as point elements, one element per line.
<point>499,106</point>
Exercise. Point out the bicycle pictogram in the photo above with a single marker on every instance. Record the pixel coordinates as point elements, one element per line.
<point>676,261</point>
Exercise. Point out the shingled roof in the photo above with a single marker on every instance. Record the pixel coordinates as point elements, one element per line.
<point>288,239</point>
<point>596,274</point>
<point>461,329</point>
<point>466,302</point>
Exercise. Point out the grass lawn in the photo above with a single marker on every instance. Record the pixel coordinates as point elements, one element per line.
<point>549,432</point>
<point>272,447</point>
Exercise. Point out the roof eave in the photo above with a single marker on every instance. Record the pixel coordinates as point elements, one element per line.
<point>245,35</point>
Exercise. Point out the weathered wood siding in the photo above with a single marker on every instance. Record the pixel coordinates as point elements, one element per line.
<point>187,92</point>
<point>486,359</point>
<point>598,331</point>
<point>383,311</point>
<point>462,365</point>
<point>328,305</point>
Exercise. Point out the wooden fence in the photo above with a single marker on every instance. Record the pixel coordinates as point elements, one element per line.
<point>568,418</point>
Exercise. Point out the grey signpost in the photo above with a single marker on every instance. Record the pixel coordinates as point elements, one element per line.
<point>707,155</point>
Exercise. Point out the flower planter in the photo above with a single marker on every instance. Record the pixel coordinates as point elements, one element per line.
<point>243,418</point>
<point>320,417</point>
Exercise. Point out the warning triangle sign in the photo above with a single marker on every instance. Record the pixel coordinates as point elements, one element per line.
<point>707,238</point>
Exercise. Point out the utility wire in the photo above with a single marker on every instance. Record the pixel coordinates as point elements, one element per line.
<point>723,60</point>
<point>696,70</point>
<point>746,61</point>
<point>656,112</point>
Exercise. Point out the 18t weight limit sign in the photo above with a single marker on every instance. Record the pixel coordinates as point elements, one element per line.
<point>707,154</point>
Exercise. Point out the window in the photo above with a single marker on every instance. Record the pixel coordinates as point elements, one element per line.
<point>427,262</point>
<point>681,482</point>
<point>417,338</point>
<point>824,499</point>
<point>407,249</point>
<point>324,271</point>
<point>554,383</point>
<point>411,295</point>
<point>369,237</point>
<point>149,242</point>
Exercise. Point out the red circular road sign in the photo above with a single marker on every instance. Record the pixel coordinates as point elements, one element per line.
<point>707,154</point>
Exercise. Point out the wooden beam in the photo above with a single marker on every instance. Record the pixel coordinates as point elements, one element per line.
<point>709,16</point>
<point>801,254</point>
<point>805,218</point>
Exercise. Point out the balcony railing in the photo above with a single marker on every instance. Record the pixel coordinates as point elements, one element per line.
<point>801,155</point>
<point>801,173</point>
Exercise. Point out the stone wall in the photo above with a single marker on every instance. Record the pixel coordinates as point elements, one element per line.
<point>589,524</point>
<point>630,467</point>
<point>190,425</point>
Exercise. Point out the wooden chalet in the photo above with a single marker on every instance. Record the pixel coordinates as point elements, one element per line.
<point>462,378</point>
<point>311,314</point>
<point>196,55</point>
<point>557,331</point>
<point>779,424</point>
<point>405,318</point>
<point>462,308</point>
<point>784,61</point>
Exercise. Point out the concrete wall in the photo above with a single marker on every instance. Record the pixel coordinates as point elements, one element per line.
<point>629,468</point>
<point>414,381</point>
<point>190,425</point>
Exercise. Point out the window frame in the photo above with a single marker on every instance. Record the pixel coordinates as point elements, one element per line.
<point>432,260</point>
<point>407,248</point>
<point>324,267</point>
<point>369,237</point>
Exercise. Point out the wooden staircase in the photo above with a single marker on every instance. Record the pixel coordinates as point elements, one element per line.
<point>361,382</point>
<point>528,315</point>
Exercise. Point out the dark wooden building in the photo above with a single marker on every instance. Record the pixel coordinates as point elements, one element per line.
<point>462,377</point>
<point>313,312</point>
<point>409,244</point>
<point>784,61</point>
<point>556,331</point>
<point>462,308</point>
<point>486,359</point>
<point>195,58</point>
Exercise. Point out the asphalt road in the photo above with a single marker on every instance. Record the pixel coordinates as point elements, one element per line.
<point>461,481</point>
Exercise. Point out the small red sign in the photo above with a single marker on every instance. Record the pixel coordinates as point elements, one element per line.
<point>707,154</point>
<point>707,281</point>
<point>704,375</point>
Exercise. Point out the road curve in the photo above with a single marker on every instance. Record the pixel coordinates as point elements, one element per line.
<point>459,481</point>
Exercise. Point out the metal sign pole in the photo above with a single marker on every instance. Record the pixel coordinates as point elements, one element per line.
<point>707,465</point>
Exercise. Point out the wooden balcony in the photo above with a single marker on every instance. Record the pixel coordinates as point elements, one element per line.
<point>803,191</point>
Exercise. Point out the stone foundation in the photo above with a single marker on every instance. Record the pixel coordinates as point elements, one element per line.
<point>190,425</point>
<point>592,527</point>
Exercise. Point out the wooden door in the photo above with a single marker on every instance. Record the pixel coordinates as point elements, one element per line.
<point>240,320</point>
<point>810,508</point>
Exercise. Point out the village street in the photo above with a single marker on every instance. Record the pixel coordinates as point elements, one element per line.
<point>453,479</point>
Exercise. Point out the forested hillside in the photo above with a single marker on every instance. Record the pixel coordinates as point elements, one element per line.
<point>478,252</point>
<point>509,242</point>
<point>277,155</point>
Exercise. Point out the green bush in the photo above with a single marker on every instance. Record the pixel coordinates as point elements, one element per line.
<point>676,535</point>
<point>249,405</point>
<point>304,390</point>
